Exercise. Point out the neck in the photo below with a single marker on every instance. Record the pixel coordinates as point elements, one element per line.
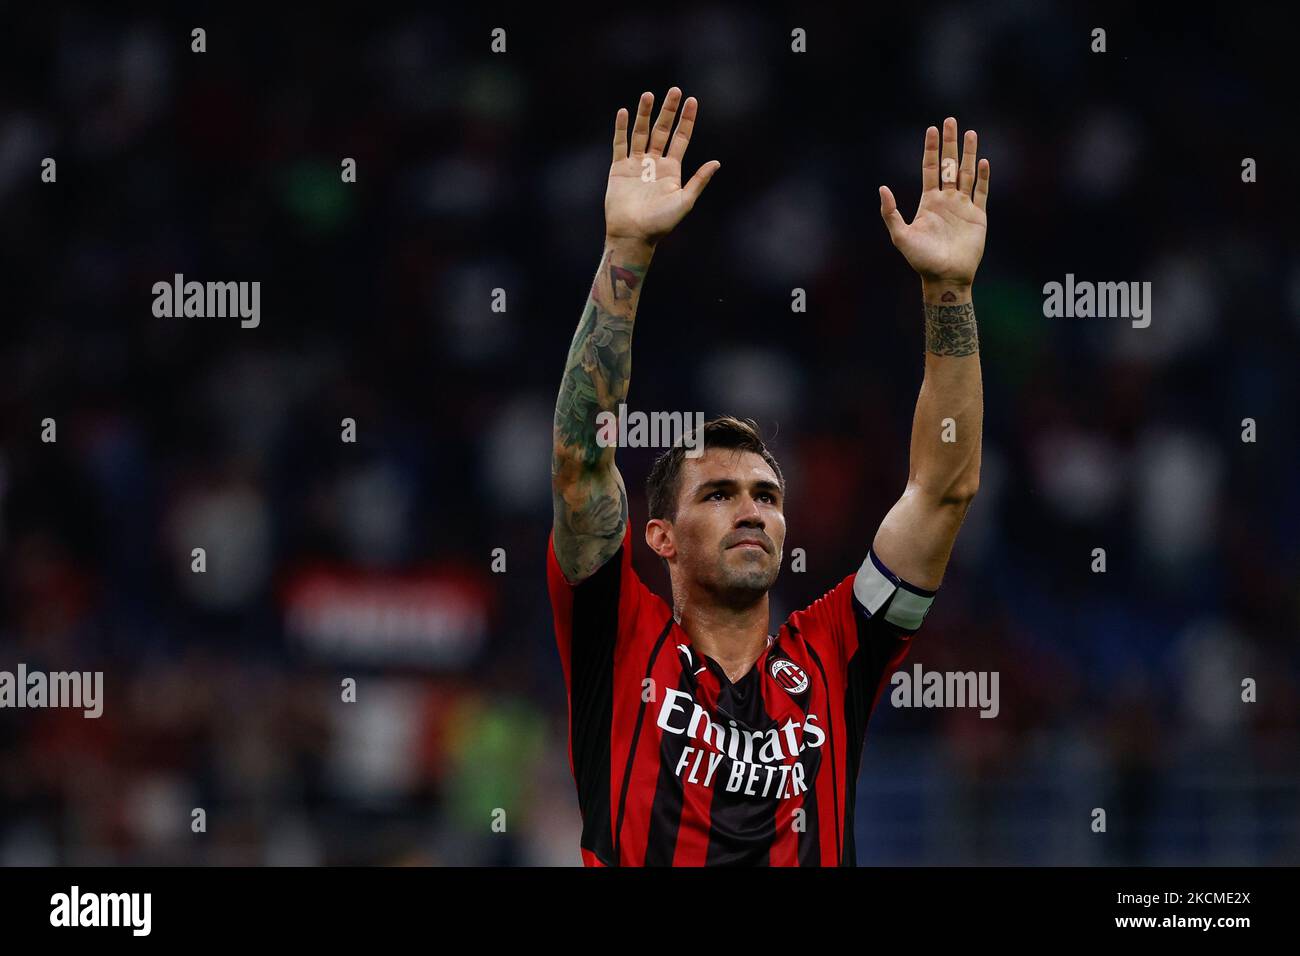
<point>734,637</point>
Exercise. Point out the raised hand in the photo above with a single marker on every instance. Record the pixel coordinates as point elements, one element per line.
<point>944,242</point>
<point>645,198</point>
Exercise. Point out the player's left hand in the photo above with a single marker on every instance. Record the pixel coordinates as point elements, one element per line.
<point>944,242</point>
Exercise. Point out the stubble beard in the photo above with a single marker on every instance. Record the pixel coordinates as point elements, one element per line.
<point>744,585</point>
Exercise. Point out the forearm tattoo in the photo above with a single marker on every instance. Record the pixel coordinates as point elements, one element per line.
<point>590,502</point>
<point>599,365</point>
<point>950,329</point>
<point>590,522</point>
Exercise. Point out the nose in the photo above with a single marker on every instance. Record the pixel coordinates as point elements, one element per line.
<point>749,516</point>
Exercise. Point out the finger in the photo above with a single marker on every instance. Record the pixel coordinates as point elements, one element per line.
<point>948,155</point>
<point>664,124</point>
<point>641,129</point>
<point>889,212</point>
<point>969,150</point>
<point>930,160</point>
<point>682,138</point>
<point>701,179</point>
<point>620,135</point>
<point>982,185</point>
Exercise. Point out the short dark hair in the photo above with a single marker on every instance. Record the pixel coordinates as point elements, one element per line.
<point>663,486</point>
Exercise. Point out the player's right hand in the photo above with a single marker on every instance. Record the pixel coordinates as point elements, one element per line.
<point>645,198</point>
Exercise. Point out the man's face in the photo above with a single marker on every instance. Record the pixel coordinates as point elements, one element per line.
<point>730,528</point>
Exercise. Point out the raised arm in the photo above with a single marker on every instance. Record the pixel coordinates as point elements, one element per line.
<point>644,201</point>
<point>944,244</point>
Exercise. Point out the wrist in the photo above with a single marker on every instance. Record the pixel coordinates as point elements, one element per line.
<point>630,248</point>
<point>945,291</point>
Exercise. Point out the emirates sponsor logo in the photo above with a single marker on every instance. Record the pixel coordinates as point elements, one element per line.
<point>757,763</point>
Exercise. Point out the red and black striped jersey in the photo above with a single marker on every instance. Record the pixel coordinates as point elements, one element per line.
<point>677,765</point>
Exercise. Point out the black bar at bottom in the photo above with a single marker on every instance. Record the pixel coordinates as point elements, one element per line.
<point>793,908</point>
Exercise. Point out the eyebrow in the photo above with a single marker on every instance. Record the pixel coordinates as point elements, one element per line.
<point>718,484</point>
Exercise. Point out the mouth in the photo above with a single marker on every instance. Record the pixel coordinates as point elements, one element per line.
<point>756,545</point>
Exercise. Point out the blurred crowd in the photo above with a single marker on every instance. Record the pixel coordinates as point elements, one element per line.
<point>411,561</point>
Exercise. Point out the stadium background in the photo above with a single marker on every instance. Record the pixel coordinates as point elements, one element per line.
<point>479,171</point>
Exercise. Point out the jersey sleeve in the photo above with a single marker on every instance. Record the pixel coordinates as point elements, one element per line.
<point>597,626</point>
<point>590,614</point>
<point>887,611</point>
<point>603,614</point>
<point>863,627</point>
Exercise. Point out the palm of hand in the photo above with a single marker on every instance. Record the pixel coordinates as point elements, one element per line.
<point>945,239</point>
<point>644,196</point>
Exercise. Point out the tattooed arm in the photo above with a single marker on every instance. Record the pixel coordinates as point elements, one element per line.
<point>644,201</point>
<point>944,244</point>
<point>590,500</point>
